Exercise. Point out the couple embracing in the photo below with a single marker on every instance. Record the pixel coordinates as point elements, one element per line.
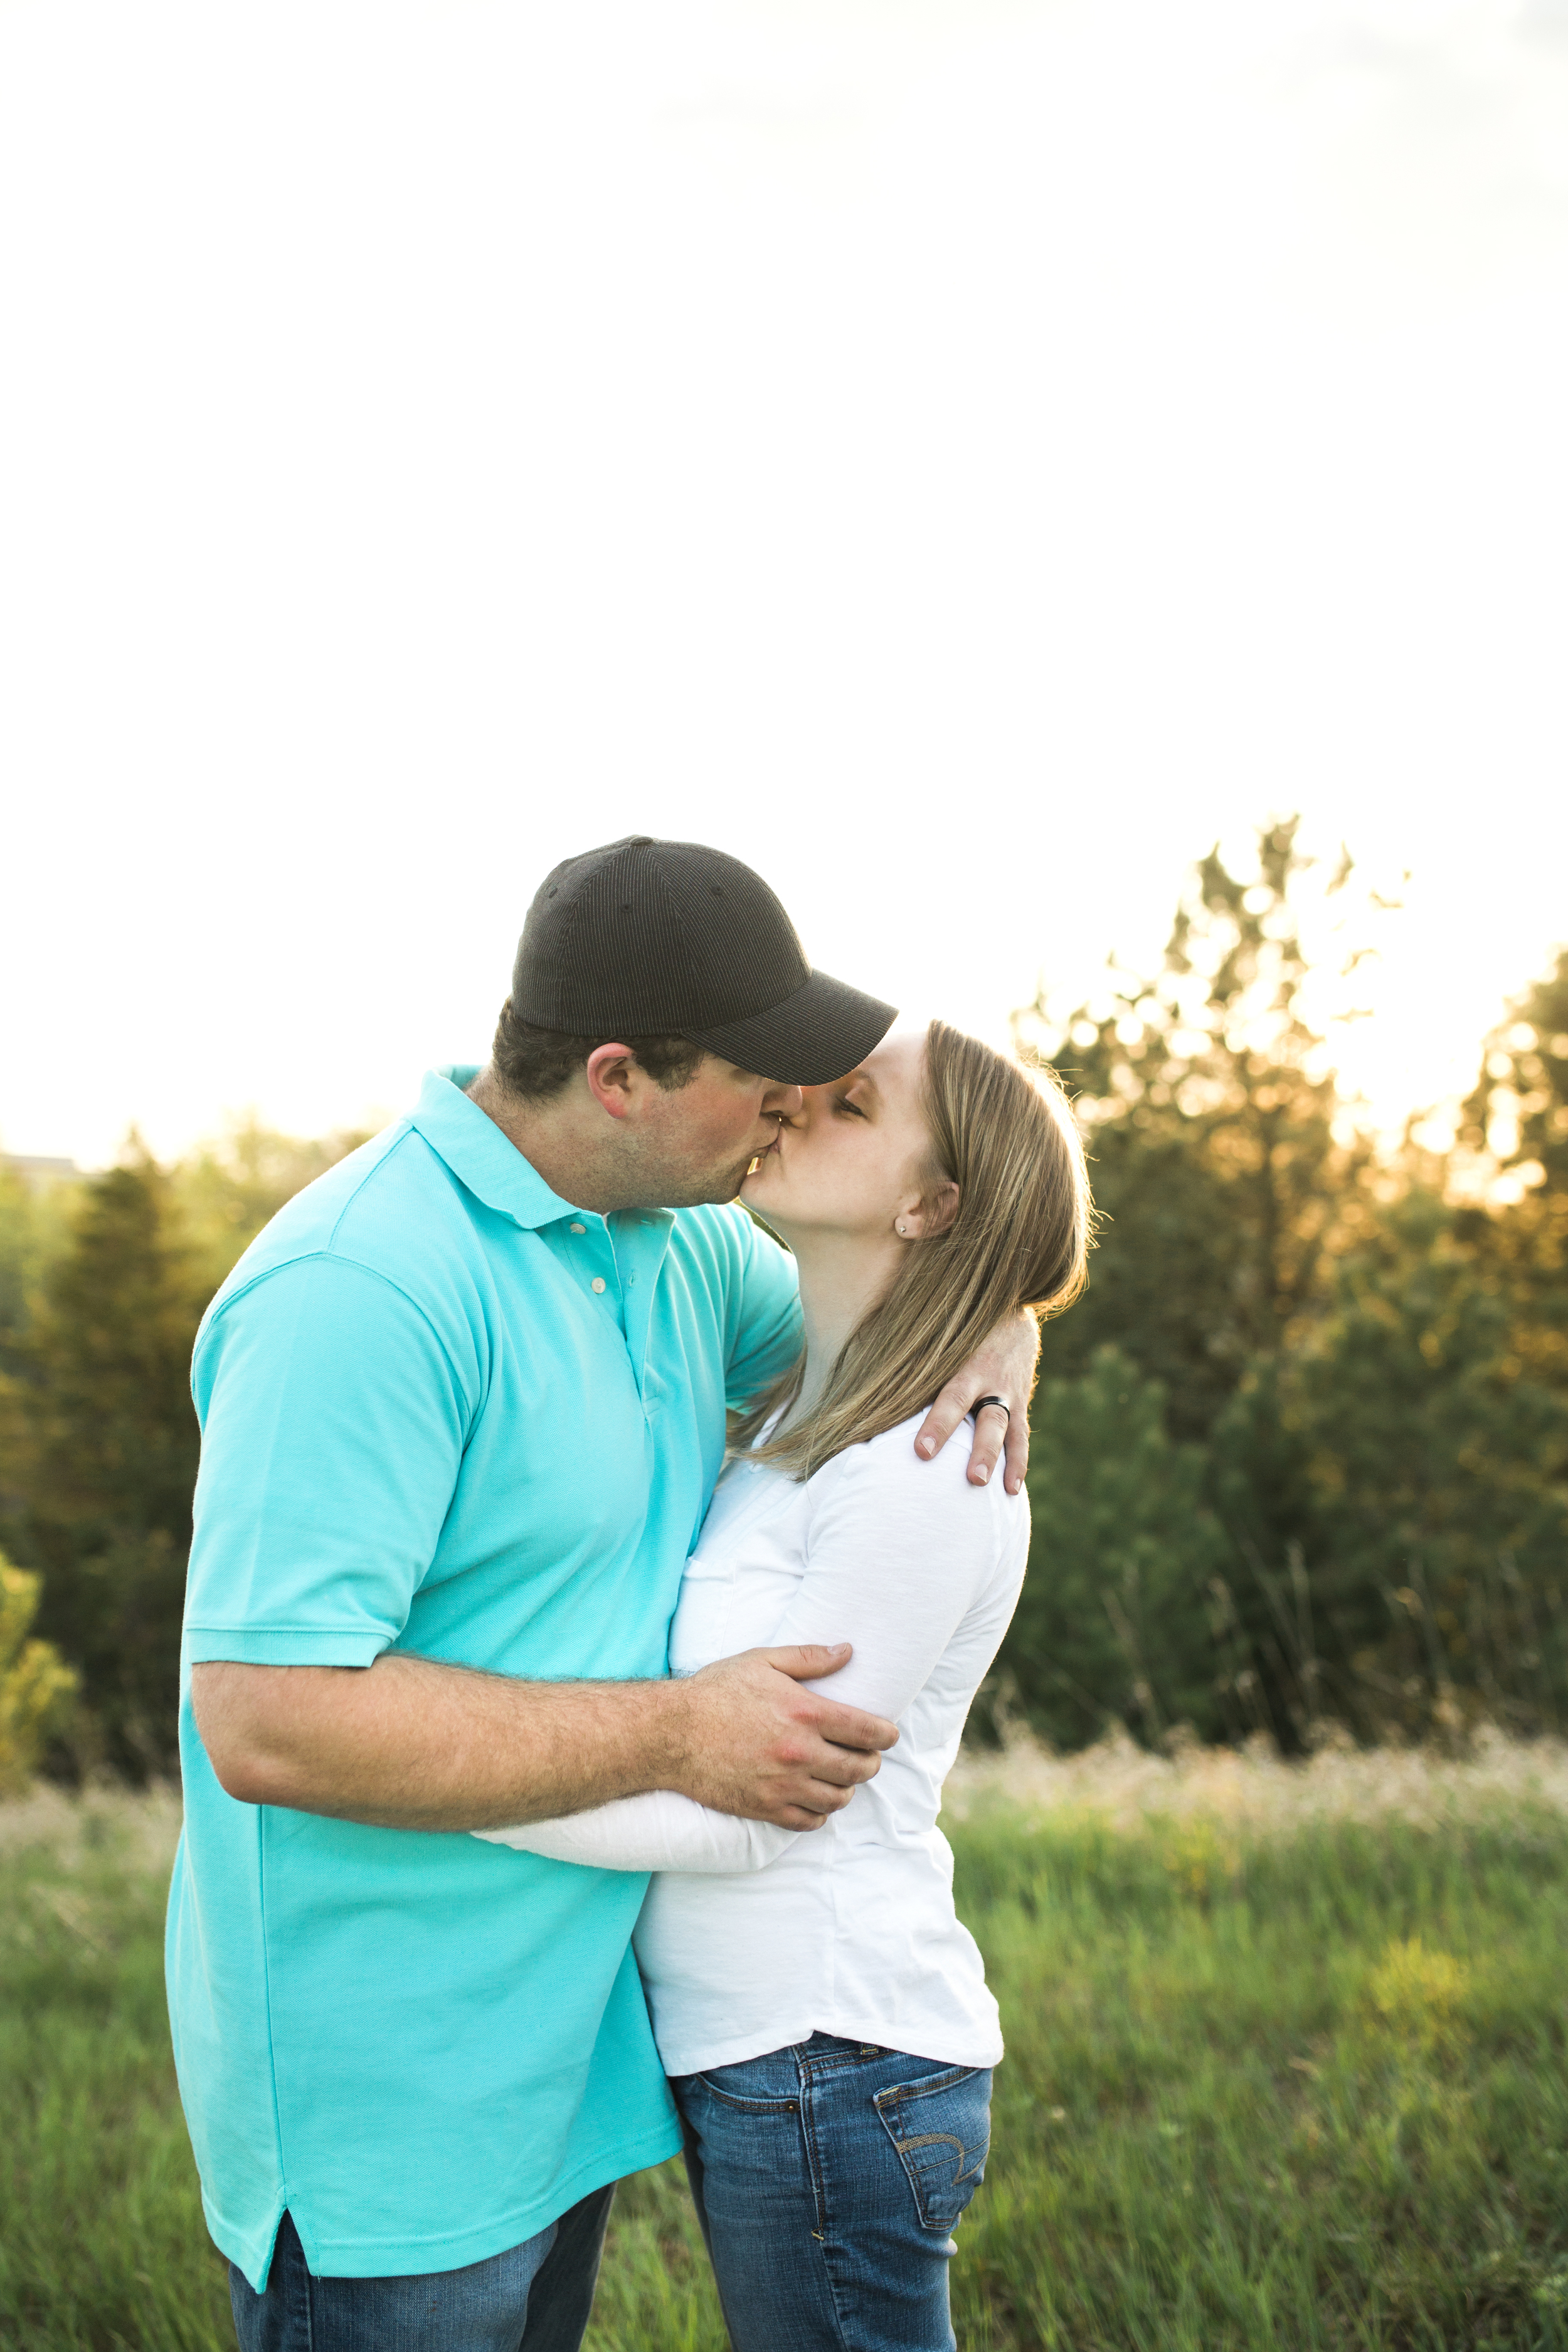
<point>587,1597</point>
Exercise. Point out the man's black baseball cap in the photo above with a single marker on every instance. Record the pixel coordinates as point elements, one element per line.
<point>668,938</point>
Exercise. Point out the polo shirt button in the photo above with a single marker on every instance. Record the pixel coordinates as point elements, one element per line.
<point>598,1282</point>
<point>577,1229</point>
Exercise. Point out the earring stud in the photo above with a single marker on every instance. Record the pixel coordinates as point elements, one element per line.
<point>901,1225</point>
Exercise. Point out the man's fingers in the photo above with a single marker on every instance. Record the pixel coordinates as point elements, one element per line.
<point>842,1768</point>
<point>849,1728</point>
<point>1017,1451</point>
<point>943,1419</point>
<point>1004,1367</point>
<point>816,1802</point>
<point>785,1754</point>
<point>990,1433</point>
<point>808,1662</point>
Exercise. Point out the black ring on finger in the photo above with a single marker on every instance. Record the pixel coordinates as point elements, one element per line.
<point>980,1403</point>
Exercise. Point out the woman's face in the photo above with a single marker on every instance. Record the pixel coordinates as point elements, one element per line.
<point>853,1159</point>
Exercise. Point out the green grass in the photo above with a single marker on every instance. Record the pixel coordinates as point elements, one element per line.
<point>1262,2091</point>
<point>1243,2105</point>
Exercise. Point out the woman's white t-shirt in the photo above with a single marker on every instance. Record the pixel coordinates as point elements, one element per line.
<point>753,1938</point>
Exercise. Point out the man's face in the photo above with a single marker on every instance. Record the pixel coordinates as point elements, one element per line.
<point>695,1142</point>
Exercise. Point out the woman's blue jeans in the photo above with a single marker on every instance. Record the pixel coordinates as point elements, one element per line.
<point>828,2178</point>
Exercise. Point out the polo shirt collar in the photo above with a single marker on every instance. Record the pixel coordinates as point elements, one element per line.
<point>479,1155</point>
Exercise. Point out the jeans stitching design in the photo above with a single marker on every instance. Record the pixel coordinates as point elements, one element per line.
<point>902,2093</point>
<point>834,2062</point>
<point>969,2163</point>
<point>747,2106</point>
<point>818,2192</point>
<point>812,2153</point>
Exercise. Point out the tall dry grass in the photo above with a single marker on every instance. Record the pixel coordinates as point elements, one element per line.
<point>1129,1789</point>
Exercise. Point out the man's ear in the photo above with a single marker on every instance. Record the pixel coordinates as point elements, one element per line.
<point>924,1219</point>
<point>610,1073</point>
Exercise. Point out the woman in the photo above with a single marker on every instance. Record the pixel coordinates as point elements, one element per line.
<point>822,2014</point>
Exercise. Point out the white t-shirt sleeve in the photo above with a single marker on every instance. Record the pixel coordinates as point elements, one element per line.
<point>660,1830</point>
<point>898,1552</point>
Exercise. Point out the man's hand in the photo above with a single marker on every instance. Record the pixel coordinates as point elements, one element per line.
<point>412,1743</point>
<point>761,1746</point>
<point>1004,1367</point>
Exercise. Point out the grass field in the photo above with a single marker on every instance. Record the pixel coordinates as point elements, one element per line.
<point>1286,2069</point>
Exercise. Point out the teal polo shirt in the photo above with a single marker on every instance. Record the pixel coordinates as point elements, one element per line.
<point>443,1411</point>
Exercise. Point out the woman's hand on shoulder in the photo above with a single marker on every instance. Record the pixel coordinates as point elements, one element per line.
<point>1004,1367</point>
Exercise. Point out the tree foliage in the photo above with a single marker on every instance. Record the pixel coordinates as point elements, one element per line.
<point>1220,1164</point>
<point>98,1443</point>
<point>1125,1544</point>
<point>36,1687</point>
<point>113,1452</point>
<point>1517,1122</point>
<point>1366,1375</point>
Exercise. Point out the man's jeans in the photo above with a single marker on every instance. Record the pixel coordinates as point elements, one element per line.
<point>828,2178</point>
<point>536,2296</point>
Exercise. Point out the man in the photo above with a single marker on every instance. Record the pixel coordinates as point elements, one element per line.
<point>463,1408</point>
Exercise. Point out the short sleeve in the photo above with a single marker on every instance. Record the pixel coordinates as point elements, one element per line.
<point>767,1335</point>
<point>332,1432</point>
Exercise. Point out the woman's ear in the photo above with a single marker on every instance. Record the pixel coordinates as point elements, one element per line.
<point>923,1220</point>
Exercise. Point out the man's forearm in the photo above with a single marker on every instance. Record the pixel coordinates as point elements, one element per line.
<point>409,1743</point>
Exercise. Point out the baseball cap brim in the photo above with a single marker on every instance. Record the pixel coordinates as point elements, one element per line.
<point>817,1032</point>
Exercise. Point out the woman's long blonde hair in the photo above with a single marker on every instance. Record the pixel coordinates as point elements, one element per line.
<point>1019,1238</point>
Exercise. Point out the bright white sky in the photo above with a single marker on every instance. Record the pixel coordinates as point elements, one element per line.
<point>961,455</point>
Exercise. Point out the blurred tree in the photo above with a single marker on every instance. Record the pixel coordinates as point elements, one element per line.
<point>1365,1385</point>
<point>1516,1121</point>
<point>35,1685</point>
<point>35,1226</point>
<point>107,1514</point>
<point>1519,1108</point>
<point>99,1442</point>
<point>18,1257</point>
<point>1119,1620</point>
<point>1420,1474</point>
<point>1222,1161</point>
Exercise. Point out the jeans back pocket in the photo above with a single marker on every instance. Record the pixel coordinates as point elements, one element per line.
<point>941,2125</point>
